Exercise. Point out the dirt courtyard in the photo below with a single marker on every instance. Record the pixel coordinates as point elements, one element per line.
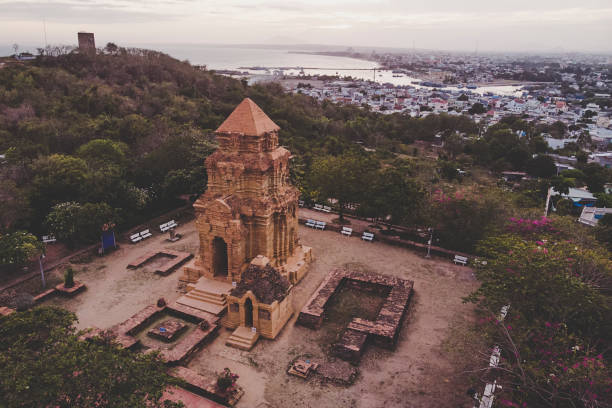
<point>421,372</point>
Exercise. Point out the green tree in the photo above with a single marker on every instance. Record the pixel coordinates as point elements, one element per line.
<point>596,177</point>
<point>477,109</point>
<point>344,178</point>
<point>103,152</point>
<point>453,145</point>
<point>56,178</point>
<point>603,200</point>
<point>18,247</point>
<point>545,281</point>
<point>462,219</point>
<point>542,166</point>
<point>562,184</point>
<point>603,231</point>
<point>45,364</point>
<point>74,222</point>
<point>394,193</point>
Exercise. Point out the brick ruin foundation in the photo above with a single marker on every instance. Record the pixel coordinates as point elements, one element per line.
<point>382,331</point>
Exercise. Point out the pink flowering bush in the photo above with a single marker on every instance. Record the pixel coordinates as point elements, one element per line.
<point>555,364</point>
<point>530,227</point>
<point>556,337</point>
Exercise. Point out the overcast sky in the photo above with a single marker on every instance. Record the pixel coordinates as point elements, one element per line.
<point>490,25</point>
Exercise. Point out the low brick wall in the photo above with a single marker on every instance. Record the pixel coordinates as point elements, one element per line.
<point>45,295</point>
<point>206,386</point>
<point>394,240</point>
<point>383,331</point>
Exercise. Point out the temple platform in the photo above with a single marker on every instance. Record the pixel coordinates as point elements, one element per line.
<point>297,265</point>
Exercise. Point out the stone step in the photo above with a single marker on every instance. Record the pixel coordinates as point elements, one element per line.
<point>239,344</point>
<point>207,297</point>
<point>242,338</point>
<point>248,336</point>
<point>201,305</point>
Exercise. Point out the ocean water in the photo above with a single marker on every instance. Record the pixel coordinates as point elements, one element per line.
<point>234,57</point>
<point>294,61</point>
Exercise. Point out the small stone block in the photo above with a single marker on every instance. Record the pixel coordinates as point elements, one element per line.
<point>168,330</point>
<point>302,368</point>
<point>76,288</point>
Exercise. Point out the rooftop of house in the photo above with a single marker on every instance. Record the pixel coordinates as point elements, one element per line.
<point>248,119</point>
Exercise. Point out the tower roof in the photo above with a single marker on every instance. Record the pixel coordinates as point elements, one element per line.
<point>249,119</point>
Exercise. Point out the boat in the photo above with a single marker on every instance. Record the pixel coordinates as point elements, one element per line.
<point>471,86</point>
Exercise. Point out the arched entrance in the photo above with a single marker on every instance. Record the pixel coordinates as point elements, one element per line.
<point>219,257</point>
<point>248,313</point>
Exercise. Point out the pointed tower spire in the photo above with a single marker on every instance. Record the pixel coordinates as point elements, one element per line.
<point>248,119</point>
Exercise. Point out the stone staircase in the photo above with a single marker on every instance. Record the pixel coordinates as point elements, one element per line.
<point>242,338</point>
<point>207,295</point>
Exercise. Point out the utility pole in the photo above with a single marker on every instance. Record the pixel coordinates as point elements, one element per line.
<point>42,270</point>
<point>45,31</point>
<point>429,243</point>
<point>547,201</point>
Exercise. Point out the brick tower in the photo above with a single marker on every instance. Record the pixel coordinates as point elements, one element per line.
<point>87,43</point>
<point>250,207</point>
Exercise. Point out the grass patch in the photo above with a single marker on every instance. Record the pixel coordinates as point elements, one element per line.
<point>344,306</point>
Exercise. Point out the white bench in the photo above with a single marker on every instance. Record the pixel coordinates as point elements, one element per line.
<point>135,237</point>
<point>367,236</point>
<point>168,226</point>
<point>145,234</point>
<point>301,203</point>
<point>47,239</point>
<point>310,223</point>
<point>460,259</point>
<point>346,231</point>
<point>318,207</point>
<point>320,225</point>
<point>326,209</point>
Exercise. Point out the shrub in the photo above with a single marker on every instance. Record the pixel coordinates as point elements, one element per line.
<point>226,380</point>
<point>69,278</point>
<point>23,301</point>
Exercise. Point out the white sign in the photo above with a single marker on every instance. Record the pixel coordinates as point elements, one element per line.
<point>254,329</point>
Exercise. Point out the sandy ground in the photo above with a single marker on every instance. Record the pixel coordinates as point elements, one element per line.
<point>114,293</point>
<point>419,373</point>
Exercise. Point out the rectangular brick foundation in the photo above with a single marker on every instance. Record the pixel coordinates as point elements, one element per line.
<point>383,331</point>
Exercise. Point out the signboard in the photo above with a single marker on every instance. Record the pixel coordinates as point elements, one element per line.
<point>108,240</point>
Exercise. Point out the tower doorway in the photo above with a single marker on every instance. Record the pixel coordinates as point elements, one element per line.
<point>219,257</point>
<point>248,313</point>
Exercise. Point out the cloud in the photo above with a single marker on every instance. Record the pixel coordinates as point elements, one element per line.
<point>83,11</point>
<point>440,24</point>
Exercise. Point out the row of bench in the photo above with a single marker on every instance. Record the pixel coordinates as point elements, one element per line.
<point>168,226</point>
<point>139,236</point>
<point>367,236</point>
<point>316,224</point>
<point>323,208</point>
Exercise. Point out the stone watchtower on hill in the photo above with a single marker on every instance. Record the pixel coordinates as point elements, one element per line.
<point>250,207</point>
<point>87,43</point>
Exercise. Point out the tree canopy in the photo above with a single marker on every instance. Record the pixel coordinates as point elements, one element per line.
<point>46,364</point>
